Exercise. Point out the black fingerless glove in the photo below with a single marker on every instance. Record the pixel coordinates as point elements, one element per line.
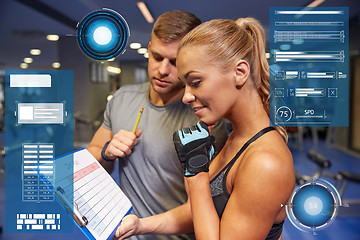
<point>194,147</point>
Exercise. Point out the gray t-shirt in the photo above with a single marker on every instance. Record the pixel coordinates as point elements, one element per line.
<point>151,176</point>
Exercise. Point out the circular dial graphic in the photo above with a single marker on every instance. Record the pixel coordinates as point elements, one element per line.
<point>313,205</point>
<point>103,34</point>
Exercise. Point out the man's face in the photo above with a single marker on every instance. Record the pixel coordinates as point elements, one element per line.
<point>162,67</point>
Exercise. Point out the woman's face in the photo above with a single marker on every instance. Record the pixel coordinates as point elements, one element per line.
<point>210,90</point>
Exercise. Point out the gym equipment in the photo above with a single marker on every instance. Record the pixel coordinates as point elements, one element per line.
<point>346,177</point>
<point>322,163</point>
<point>343,177</point>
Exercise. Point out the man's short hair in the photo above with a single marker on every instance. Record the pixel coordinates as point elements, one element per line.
<point>174,25</point>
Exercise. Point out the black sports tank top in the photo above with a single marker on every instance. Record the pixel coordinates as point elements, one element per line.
<point>219,191</point>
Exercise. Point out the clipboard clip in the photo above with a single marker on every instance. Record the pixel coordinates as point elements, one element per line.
<point>74,211</point>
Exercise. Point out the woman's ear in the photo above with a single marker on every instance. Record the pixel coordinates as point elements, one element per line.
<point>241,73</point>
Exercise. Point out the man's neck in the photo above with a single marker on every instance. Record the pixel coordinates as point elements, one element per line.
<point>164,99</point>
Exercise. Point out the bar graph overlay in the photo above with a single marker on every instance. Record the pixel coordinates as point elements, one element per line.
<point>38,159</point>
<point>309,66</point>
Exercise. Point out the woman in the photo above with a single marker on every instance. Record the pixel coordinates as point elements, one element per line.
<point>242,193</point>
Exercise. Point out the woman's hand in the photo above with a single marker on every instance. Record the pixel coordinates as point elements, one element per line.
<point>194,147</point>
<point>175,221</point>
<point>129,226</point>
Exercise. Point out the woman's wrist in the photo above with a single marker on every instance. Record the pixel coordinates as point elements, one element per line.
<point>198,180</point>
<point>142,227</point>
<point>148,225</point>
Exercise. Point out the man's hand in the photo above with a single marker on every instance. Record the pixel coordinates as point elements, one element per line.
<point>121,144</point>
<point>194,147</point>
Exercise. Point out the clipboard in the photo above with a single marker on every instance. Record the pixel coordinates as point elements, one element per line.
<point>91,197</point>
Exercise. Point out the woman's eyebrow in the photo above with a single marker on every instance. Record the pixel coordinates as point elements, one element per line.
<point>188,73</point>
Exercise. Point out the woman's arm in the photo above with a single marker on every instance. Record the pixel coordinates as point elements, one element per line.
<point>260,186</point>
<point>175,221</point>
<point>205,218</point>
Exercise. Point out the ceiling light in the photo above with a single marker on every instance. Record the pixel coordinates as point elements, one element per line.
<point>146,55</point>
<point>35,51</point>
<point>142,50</point>
<point>145,12</point>
<point>28,60</point>
<point>135,45</point>
<point>24,65</point>
<point>52,37</point>
<point>111,59</point>
<point>115,70</point>
<point>109,97</point>
<point>56,65</point>
<point>267,55</point>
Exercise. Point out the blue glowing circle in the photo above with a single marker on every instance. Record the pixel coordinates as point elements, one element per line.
<point>313,205</point>
<point>306,205</point>
<point>103,34</point>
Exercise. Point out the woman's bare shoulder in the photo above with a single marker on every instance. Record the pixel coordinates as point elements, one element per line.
<point>268,158</point>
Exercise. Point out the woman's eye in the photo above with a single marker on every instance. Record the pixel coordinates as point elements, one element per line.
<point>195,83</point>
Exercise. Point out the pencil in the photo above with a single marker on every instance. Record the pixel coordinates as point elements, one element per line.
<point>138,119</point>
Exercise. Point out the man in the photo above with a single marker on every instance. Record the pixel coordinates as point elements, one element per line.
<point>150,173</point>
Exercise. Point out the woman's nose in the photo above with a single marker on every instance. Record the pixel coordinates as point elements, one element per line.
<point>188,96</point>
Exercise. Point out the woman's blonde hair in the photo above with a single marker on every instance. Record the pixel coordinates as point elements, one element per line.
<point>227,41</point>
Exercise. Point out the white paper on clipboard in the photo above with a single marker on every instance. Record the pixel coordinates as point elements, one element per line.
<point>96,196</point>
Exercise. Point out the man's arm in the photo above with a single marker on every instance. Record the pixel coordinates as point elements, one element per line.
<point>96,145</point>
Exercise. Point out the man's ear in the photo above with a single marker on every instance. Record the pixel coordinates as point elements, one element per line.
<point>241,73</point>
<point>149,45</point>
